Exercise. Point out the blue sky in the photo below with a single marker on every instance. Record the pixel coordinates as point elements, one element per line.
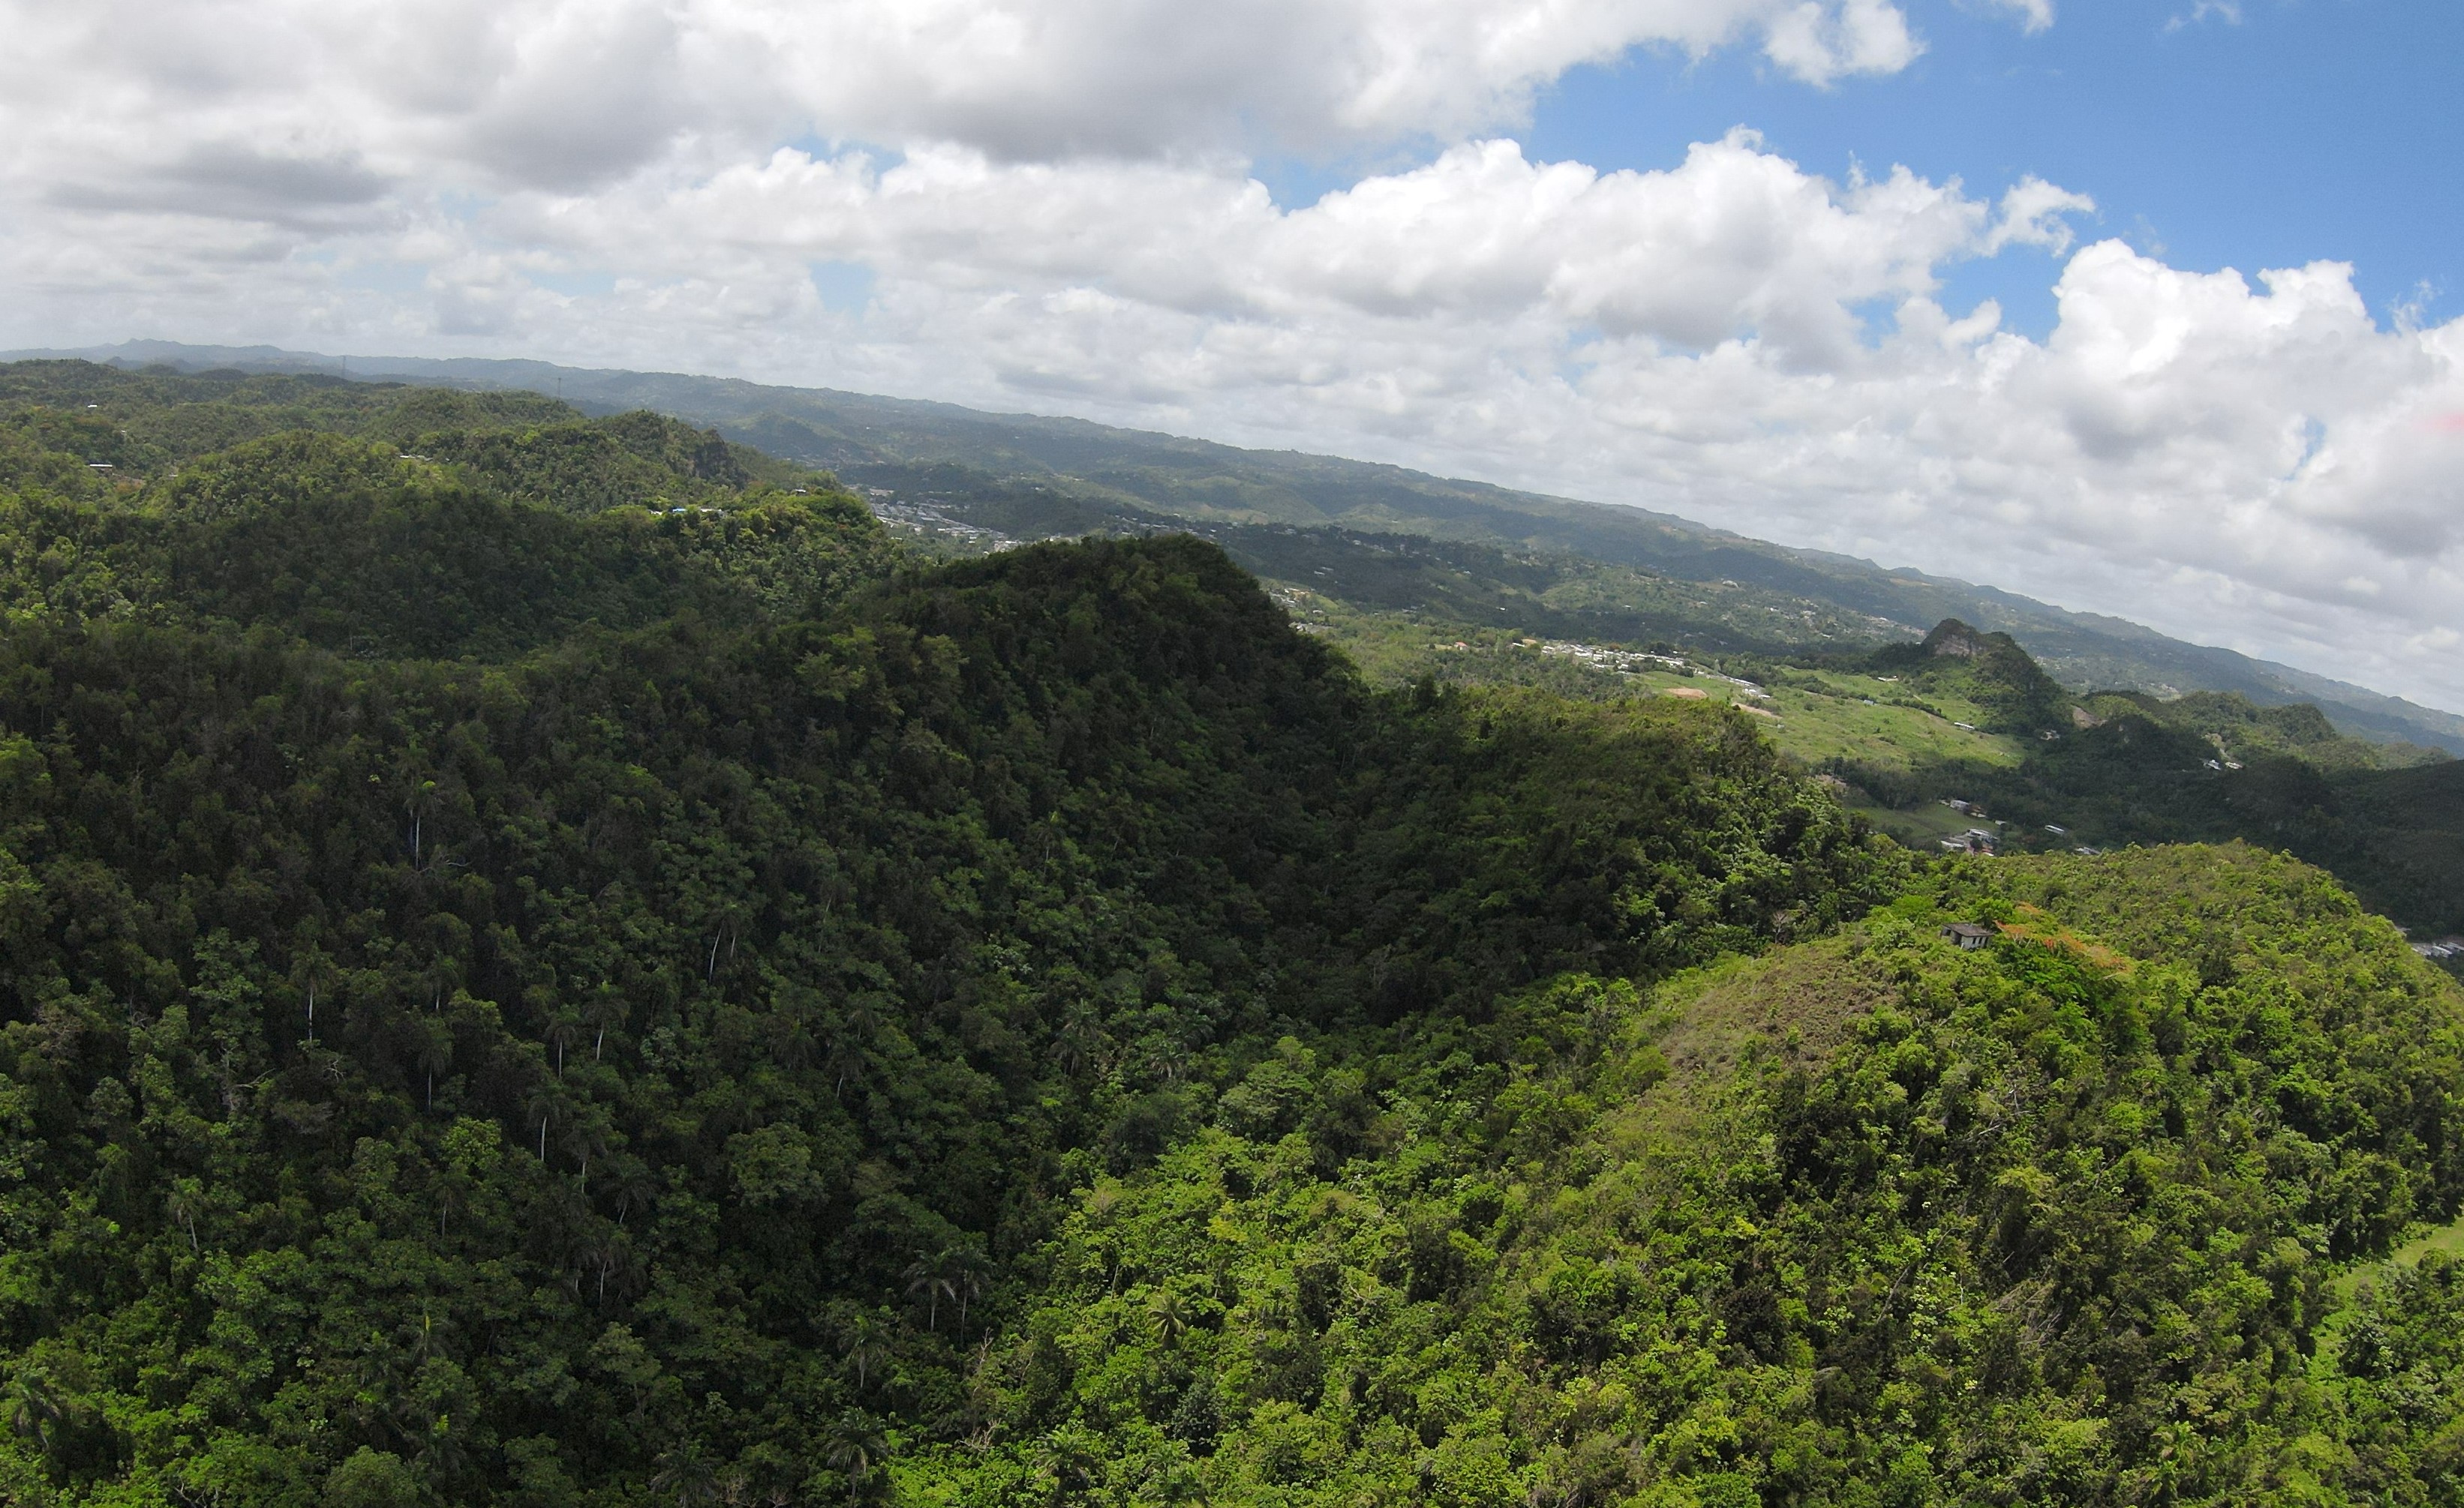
<point>2273,134</point>
<point>1048,204</point>
<point>2267,133</point>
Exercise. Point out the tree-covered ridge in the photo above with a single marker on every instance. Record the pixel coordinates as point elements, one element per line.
<point>389,521</point>
<point>344,544</point>
<point>2143,774</point>
<point>90,431</point>
<point>1988,669</point>
<point>684,1004</point>
<point>508,999</point>
<point>2239,730</point>
<point>1871,1220</point>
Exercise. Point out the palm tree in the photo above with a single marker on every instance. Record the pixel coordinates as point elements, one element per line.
<point>34,1413</point>
<point>313,970</point>
<point>1066,1459</point>
<point>562,1028</point>
<point>967,1278</point>
<point>850,1041</point>
<point>436,1051</point>
<point>1171,1317</point>
<point>1081,1043</point>
<point>791,1043</point>
<point>635,1186</point>
<point>186,1199</point>
<point>857,1449</point>
<point>864,1014</point>
<point>416,803</point>
<point>867,1347</point>
<point>611,1253</point>
<point>844,1060</point>
<point>440,1453</point>
<point>606,1006</point>
<point>541,1102</point>
<point>587,1135</point>
<point>685,1478</point>
<point>930,1275</point>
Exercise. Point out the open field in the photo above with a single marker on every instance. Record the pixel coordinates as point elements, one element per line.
<point>1814,716</point>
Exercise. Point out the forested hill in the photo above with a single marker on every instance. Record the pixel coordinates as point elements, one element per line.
<point>396,522</point>
<point>512,993</point>
<point>915,448</point>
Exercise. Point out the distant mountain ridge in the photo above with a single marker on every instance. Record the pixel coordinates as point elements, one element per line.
<point>1177,477</point>
<point>544,955</point>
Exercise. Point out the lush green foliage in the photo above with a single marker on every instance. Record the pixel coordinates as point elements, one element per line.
<point>2240,730</point>
<point>1754,592</point>
<point>59,419</point>
<point>1871,1221</point>
<point>508,997</point>
<point>2130,769</point>
<point>685,1004</point>
<point>345,544</point>
<point>2390,834</point>
<point>1988,669</point>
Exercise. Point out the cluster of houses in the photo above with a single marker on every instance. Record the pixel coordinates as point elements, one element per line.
<point>1986,840</point>
<point>1599,657</point>
<point>1631,661</point>
<point>1976,839</point>
<point>925,518</point>
<point>2444,949</point>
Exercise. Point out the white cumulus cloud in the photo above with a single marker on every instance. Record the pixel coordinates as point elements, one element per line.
<point>549,94</point>
<point>1050,206</point>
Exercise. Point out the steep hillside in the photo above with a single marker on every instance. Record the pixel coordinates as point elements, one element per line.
<point>1868,1219</point>
<point>80,428</point>
<point>508,523</point>
<point>2399,832</point>
<point>513,998</point>
<point>655,1060</point>
<point>1990,671</point>
<point>2111,768</point>
<point>1196,480</point>
<point>885,442</point>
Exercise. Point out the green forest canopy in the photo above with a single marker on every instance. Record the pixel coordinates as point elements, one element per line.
<point>515,997</point>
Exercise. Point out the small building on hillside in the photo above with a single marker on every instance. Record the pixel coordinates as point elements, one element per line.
<point>1969,934</point>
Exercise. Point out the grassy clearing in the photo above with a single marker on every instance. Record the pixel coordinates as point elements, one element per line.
<point>2448,1239</point>
<point>1920,826</point>
<point>1800,1003</point>
<point>1855,717</point>
<point>1814,716</point>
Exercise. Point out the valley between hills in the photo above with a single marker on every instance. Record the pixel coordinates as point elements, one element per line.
<point>557,953</point>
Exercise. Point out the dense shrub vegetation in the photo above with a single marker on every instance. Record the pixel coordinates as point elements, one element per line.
<point>512,997</point>
<point>2208,767</point>
<point>1871,1220</point>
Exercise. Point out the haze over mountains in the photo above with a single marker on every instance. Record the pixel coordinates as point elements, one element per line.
<point>562,961</point>
<point>1136,475</point>
<point>1566,912</point>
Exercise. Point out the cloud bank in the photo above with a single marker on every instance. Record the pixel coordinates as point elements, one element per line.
<point>1051,207</point>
